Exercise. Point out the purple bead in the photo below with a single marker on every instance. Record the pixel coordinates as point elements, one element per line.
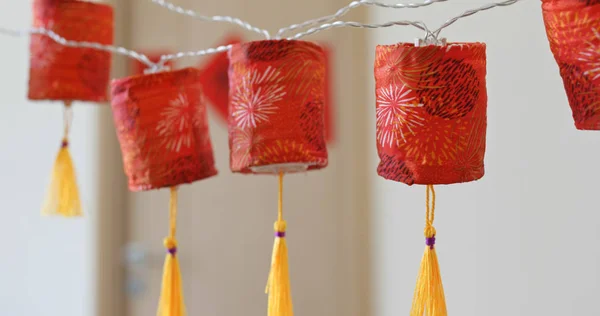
<point>172,251</point>
<point>430,242</point>
<point>280,234</point>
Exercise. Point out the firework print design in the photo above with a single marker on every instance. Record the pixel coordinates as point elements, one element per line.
<point>431,112</point>
<point>276,105</point>
<point>573,29</point>
<point>57,72</point>
<point>162,127</point>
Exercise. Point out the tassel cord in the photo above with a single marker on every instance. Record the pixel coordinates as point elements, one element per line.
<point>429,296</point>
<point>278,284</point>
<point>63,195</point>
<point>171,301</point>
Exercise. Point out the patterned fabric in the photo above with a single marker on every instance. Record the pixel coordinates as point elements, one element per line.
<point>162,127</point>
<point>276,100</point>
<point>431,112</point>
<point>573,28</point>
<point>64,73</point>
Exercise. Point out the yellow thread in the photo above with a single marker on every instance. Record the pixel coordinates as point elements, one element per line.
<point>429,296</point>
<point>278,284</point>
<point>171,295</point>
<point>63,195</point>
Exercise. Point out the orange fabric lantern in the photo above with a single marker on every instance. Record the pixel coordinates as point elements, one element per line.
<point>573,28</point>
<point>431,112</point>
<point>69,74</point>
<point>65,73</point>
<point>276,122</point>
<point>162,126</point>
<point>276,125</point>
<point>431,128</point>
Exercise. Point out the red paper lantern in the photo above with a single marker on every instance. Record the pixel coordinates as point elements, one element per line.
<point>162,126</point>
<point>63,73</point>
<point>573,28</point>
<point>277,91</point>
<point>431,112</point>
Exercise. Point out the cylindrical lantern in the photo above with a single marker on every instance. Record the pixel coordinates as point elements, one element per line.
<point>276,125</point>
<point>64,73</point>
<point>68,74</point>
<point>162,127</point>
<point>431,112</point>
<point>431,126</point>
<point>276,101</point>
<point>573,28</point>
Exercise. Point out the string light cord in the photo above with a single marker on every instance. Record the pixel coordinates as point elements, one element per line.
<point>78,44</point>
<point>468,13</point>
<point>354,4</point>
<point>153,67</point>
<point>337,24</point>
<point>433,36</point>
<point>216,18</point>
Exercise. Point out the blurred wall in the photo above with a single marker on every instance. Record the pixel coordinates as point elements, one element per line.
<point>48,263</point>
<point>57,266</point>
<point>522,241</point>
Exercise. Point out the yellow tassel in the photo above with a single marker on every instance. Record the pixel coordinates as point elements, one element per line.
<point>171,295</point>
<point>278,285</point>
<point>429,293</point>
<point>63,196</point>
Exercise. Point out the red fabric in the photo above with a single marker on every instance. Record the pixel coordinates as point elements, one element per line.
<point>215,81</point>
<point>64,73</point>
<point>329,97</point>
<point>138,67</point>
<point>276,105</point>
<point>162,127</point>
<point>431,112</point>
<point>573,28</point>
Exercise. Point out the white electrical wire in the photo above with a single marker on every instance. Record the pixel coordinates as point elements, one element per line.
<point>354,4</point>
<point>430,35</point>
<point>62,41</point>
<point>164,58</point>
<point>336,24</point>
<point>153,67</point>
<point>209,51</point>
<point>436,33</point>
<point>216,18</point>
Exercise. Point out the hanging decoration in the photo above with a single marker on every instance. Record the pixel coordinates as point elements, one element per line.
<point>276,107</point>
<point>67,74</point>
<point>276,126</point>
<point>162,127</point>
<point>573,28</point>
<point>431,112</point>
<point>431,127</point>
<point>215,80</point>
